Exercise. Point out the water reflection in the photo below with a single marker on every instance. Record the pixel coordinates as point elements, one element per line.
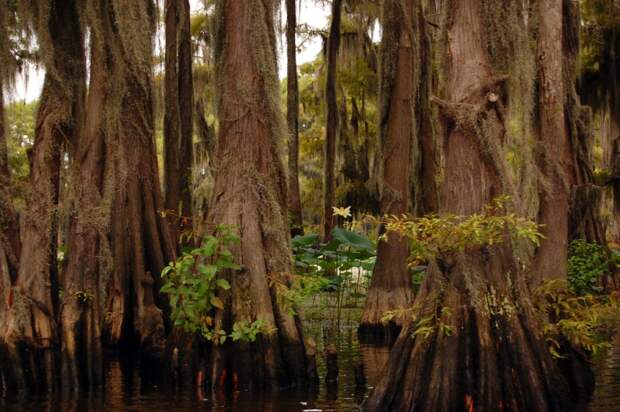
<point>130,388</point>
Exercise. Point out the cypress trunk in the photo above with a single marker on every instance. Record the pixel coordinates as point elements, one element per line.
<point>331,129</point>
<point>186,107</point>
<point>292,117</point>
<point>485,350</point>
<point>250,195</point>
<point>172,115</point>
<point>29,337</point>
<point>556,165</point>
<point>88,260</point>
<point>140,236</point>
<point>390,287</point>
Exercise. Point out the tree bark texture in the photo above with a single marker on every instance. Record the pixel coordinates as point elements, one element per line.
<point>250,195</point>
<point>89,260</point>
<point>292,117</point>
<point>390,287</point>
<point>186,107</point>
<point>485,350</point>
<point>172,114</point>
<point>331,129</point>
<point>141,241</point>
<point>556,154</point>
<point>29,336</point>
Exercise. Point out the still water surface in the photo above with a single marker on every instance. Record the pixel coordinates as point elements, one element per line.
<point>127,390</point>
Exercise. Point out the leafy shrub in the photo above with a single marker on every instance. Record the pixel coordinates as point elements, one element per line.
<point>585,321</point>
<point>192,284</point>
<point>587,263</point>
<point>433,235</point>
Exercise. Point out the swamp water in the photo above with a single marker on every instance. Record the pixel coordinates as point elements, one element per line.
<point>128,389</point>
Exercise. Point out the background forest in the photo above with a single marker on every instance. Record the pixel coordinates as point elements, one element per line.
<point>444,175</point>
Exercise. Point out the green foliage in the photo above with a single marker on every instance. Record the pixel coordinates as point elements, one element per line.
<point>193,284</point>
<point>20,118</point>
<point>585,321</point>
<point>437,322</point>
<point>337,258</point>
<point>587,263</point>
<point>433,235</point>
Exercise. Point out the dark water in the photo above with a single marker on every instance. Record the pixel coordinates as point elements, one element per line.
<point>127,390</point>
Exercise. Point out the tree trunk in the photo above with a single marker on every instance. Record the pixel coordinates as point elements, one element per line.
<point>292,117</point>
<point>558,171</point>
<point>331,130</point>
<point>29,337</point>
<point>186,106</point>
<point>172,116</point>
<point>141,240</point>
<point>88,259</point>
<point>390,287</point>
<point>485,350</point>
<point>250,188</point>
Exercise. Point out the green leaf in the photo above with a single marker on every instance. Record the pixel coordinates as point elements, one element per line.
<point>353,240</point>
<point>217,302</point>
<point>223,283</point>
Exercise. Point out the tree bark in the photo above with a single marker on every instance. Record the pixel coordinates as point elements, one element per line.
<point>331,129</point>
<point>250,195</point>
<point>186,106</point>
<point>493,354</point>
<point>390,287</point>
<point>88,259</point>
<point>172,114</point>
<point>292,117</point>
<point>29,337</point>
<point>141,241</point>
<point>556,165</point>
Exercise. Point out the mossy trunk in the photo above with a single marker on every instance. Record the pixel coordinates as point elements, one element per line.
<point>29,339</point>
<point>482,347</point>
<point>557,165</point>
<point>186,107</point>
<point>292,117</point>
<point>140,236</point>
<point>88,259</point>
<point>390,287</point>
<point>250,195</point>
<point>172,115</point>
<point>331,127</point>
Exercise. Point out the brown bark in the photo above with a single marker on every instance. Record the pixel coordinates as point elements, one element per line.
<point>172,114</point>
<point>81,314</point>
<point>493,356</point>
<point>331,128</point>
<point>556,153</point>
<point>292,117</point>
<point>141,240</point>
<point>249,194</point>
<point>186,107</point>
<point>390,287</point>
<point>29,337</point>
